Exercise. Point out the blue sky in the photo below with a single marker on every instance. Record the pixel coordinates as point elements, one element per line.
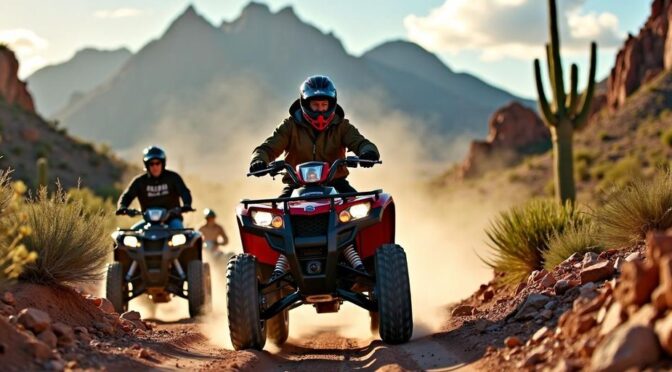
<point>465,34</point>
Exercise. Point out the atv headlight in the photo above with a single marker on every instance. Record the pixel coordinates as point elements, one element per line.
<point>360,210</point>
<point>262,218</point>
<point>178,239</point>
<point>131,241</point>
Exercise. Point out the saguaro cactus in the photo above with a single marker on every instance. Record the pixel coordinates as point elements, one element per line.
<point>568,112</point>
<point>42,176</point>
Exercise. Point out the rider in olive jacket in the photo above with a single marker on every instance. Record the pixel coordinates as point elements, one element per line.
<point>316,130</point>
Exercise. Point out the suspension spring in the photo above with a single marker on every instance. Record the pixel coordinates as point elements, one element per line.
<point>353,257</point>
<point>281,266</point>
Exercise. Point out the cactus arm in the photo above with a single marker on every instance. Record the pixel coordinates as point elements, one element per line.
<point>573,98</point>
<point>556,61</point>
<point>544,106</point>
<point>587,98</point>
<point>549,64</point>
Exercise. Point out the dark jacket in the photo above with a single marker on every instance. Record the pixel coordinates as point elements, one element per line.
<point>302,143</point>
<point>164,191</point>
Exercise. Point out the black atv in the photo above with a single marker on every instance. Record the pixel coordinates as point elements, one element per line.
<point>159,261</point>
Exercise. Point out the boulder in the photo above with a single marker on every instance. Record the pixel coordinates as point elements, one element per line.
<point>629,346</point>
<point>34,320</point>
<point>612,319</point>
<point>532,305</point>
<point>638,281</point>
<point>64,333</point>
<point>561,286</point>
<point>463,310</point>
<point>597,271</point>
<point>12,89</point>
<point>49,338</point>
<point>658,244</point>
<point>131,315</point>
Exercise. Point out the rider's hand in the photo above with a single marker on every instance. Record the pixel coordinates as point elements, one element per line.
<point>122,211</point>
<point>257,166</point>
<point>369,155</point>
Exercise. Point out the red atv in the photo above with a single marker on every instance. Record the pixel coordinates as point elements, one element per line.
<point>316,247</point>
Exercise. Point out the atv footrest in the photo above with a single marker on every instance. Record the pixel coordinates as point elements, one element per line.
<point>280,305</point>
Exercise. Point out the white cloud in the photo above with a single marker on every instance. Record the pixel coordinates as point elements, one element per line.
<point>510,28</point>
<point>117,13</point>
<point>28,46</point>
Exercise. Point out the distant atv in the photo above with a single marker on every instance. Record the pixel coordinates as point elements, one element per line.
<point>316,247</point>
<point>159,261</point>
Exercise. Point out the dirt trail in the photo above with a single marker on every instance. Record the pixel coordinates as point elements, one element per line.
<point>180,345</point>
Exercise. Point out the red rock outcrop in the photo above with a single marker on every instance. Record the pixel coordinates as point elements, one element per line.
<point>513,130</point>
<point>642,57</point>
<point>12,89</point>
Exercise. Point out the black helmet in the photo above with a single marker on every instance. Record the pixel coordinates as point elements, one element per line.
<point>153,153</point>
<point>318,87</point>
<point>209,213</point>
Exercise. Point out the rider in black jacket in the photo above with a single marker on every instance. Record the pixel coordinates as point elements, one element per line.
<point>157,188</point>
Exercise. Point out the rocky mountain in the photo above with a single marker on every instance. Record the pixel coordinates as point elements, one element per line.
<point>642,57</point>
<point>197,68</point>
<point>55,85</point>
<point>513,132</point>
<point>13,90</point>
<point>25,137</point>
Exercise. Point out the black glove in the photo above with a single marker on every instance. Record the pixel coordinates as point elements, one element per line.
<point>257,166</point>
<point>369,155</point>
<point>122,211</point>
<point>187,208</point>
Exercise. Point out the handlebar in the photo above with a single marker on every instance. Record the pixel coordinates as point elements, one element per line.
<point>279,165</point>
<point>132,212</point>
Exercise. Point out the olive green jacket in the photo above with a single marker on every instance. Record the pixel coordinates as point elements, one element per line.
<point>301,143</point>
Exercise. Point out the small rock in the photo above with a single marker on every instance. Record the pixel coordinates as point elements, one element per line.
<point>663,329</point>
<point>71,364</point>
<point>618,263</point>
<point>49,338</point>
<point>64,333</point>
<point>658,245</point>
<point>463,310</point>
<point>487,295</point>
<point>34,319</point>
<point>638,280</point>
<point>612,319</point>
<point>106,306</point>
<point>645,316</point>
<point>530,307</point>
<point>561,286</point>
<point>540,334</point>
<point>39,349</point>
<point>588,259</point>
<point>144,354</point>
<point>548,281</point>
<point>8,298</point>
<point>131,315</point>
<point>546,314</point>
<point>627,347</point>
<point>512,341</point>
<point>598,271</point>
<point>535,357</point>
<point>634,256</point>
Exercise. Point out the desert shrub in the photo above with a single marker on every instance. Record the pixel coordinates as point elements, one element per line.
<point>13,254</point>
<point>71,243</point>
<point>624,171</point>
<point>519,237</point>
<point>94,204</point>
<point>666,137</point>
<point>635,209</point>
<point>577,238</point>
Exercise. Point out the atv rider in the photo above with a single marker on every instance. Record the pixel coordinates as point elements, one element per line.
<point>157,188</point>
<point>316,130</point>
<point>212,232</point>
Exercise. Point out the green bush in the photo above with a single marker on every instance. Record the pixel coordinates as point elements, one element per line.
<point>624,171</point>
<point>630,212</point>
<point>71,243</point>
<point>666,137</point>
<point>578,238</point>
<point>519,237</point>
<point>13,254</point>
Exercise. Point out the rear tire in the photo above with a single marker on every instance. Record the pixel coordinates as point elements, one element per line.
<point>196,286</point>
<point>247,329</point>
<point>393,293</point>
<point>115,287</point>
<point>278,326</point>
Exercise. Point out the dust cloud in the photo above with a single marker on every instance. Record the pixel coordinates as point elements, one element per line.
<point>441,231</point>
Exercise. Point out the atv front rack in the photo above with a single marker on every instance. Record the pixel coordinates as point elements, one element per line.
<point>343,196</point>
